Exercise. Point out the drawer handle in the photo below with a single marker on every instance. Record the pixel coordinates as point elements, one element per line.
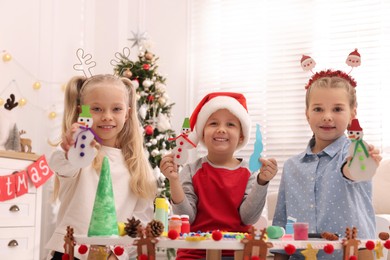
<point>14,208</point>
<point>13,243</point>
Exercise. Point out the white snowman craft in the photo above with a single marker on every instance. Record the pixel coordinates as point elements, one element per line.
<point>82,153</point>
<point>183,143</point>
<point>362,166</point>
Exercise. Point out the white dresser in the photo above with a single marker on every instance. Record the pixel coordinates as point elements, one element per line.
<point>20,218</point>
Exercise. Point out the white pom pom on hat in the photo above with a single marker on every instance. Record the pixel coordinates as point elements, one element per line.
<point>234,102</point>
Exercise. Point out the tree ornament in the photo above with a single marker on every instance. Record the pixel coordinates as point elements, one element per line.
<point>147,83</point>
<point>150,98</point>
<point>146,66</point>
<point>37,85</point>
<point>149,56</point>
<point>135,83</point>
<point>142,111</point>
<point>22,102</point>
<point>7,57</point>
<point>83,249</point>
<point>118,250</point>
<point>149,130</point>
<point>127,73</point>
<point>162,101</point>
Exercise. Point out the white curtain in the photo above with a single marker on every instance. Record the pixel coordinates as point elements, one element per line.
<point>254,47</point>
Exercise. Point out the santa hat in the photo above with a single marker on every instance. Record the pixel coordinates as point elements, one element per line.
<point>234,102</point>
<point>355,126</point>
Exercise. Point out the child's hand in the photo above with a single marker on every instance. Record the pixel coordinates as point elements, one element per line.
<point>268,170</point>
<point>168,167</point>
<point>374,153</point>
<point>67,138</point>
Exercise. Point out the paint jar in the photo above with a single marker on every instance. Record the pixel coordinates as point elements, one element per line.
<point>185,224</point>
<point>175,223</point>
<point>301,231</point>
<point>275,232</point>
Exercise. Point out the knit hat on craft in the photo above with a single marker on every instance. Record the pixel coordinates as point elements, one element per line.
<point>234,102</point>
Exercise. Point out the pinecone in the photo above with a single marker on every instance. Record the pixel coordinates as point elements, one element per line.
<point>132,227</point>
<point>156,227</point>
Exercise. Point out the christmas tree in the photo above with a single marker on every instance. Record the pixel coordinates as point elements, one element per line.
<point>154,107</point>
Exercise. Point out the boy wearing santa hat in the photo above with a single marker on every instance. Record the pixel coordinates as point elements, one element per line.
<point>218,191</point>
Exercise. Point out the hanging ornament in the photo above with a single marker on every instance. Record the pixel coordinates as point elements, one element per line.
<point>146,66</point>
<point>162,101</point>
<point>52,115</point>
<point>149,130</point>
<point>154,153</point>
<point>142,111</point>
<point>22,102</point>
<point>37,85</point>
<point>163,123</point>
<point>127,73</point>
<point>160,87</point>
<point>149,56</point>
<point>147,83</point>
<point>135,83</point>
<point>150,98</point>
<point>7,57</point>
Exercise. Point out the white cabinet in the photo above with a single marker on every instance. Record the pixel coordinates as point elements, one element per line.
<point>20,218</point>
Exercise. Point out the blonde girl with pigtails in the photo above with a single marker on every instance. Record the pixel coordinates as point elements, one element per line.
<point>113,108</point>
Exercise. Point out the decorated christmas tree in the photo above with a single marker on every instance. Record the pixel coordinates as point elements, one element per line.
<point>154,107</point>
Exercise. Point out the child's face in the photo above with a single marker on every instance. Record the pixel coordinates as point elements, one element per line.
<point>109,111</point>
<point>222,132</point>
<point>328,114</point>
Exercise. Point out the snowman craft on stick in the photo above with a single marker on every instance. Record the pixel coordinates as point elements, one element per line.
<point>82,153</point>
<point>361,166</point>
<point>183,143</point>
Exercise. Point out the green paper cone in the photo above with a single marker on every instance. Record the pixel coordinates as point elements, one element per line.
<point>103,219</point>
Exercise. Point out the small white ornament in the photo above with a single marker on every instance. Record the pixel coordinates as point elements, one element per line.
<point>142,111</point>
<point>163,123</point>
<point>135,83</point>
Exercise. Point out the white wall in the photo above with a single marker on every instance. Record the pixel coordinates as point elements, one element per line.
<point>43,36</point>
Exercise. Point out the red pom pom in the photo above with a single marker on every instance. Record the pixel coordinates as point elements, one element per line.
<point>83,249</point>
<point>387,244</point>
<point>255,257</point>
<point>290,249</point>
<point>173,234</point>
<point>118,250</point>
<point>216,235</point>
<point>370,245</point>
<point>143,257</point>
<point>353,258</point>
<point>329,249</point>
<point>65,256</point>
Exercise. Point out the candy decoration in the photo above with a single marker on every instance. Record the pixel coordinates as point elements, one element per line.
<point>173,234</point>
<point>216,235</point>
<point>118,250</point>
<point>329,249</point>
<point>370,245</point>
<point>83,249</point>
<point>290,249</point>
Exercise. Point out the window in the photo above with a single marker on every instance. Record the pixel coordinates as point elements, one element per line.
<point>255,47</point>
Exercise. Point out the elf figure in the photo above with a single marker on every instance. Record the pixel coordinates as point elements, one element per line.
<point>361,166</point>
<point>183,143</point>
<point>82,153</point>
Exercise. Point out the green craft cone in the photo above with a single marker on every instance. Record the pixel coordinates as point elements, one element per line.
<point>103,220</point>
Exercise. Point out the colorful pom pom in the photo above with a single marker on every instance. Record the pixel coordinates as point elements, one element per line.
<point>255,257</point>
<point>173,234</point>
<point>216,235</point>
<point>353,258</point>
<point>83,249</point>
<point>65,256</point>
<point>387,244</point>
<point>370,245</point>
<point>118,250</point>
<point>290,249</point>
<point>328,249</point>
